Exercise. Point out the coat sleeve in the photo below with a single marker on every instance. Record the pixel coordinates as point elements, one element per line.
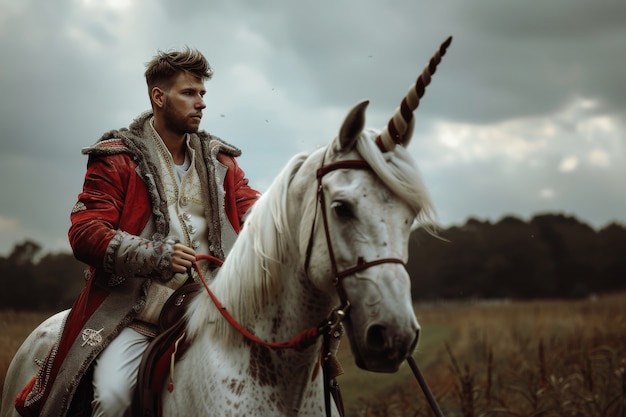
<point>96,215</point>
<point>97,235</point>
<point>239,195</point>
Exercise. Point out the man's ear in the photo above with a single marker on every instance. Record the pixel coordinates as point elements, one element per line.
<point>158,96</point>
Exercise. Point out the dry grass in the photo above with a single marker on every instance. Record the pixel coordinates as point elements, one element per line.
<point>542,358</point>
<point>539,358</point>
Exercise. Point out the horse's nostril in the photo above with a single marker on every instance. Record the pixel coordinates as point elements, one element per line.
<point>376,337</point>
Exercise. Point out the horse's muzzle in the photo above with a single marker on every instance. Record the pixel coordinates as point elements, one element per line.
<point>384,350</point>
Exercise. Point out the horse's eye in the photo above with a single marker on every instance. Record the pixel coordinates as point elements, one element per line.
<point>342,209</point>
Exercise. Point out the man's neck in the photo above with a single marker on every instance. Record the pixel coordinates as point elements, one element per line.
<point>175,143</point>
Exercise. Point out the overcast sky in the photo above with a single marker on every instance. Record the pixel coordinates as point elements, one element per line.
<point>525,115</point>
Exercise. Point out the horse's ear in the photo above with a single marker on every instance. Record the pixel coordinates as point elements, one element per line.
<point>352,126</point>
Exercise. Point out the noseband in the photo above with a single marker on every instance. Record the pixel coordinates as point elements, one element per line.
<point>361,262</point>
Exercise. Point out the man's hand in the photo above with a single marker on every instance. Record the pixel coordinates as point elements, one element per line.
<point>182,258</point>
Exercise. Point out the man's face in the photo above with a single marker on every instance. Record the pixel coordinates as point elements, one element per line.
<point>183,105</point>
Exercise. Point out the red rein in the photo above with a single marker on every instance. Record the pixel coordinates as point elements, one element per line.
<point>300,342</point>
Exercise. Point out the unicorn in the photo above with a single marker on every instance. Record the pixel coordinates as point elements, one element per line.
<point>327,243</point>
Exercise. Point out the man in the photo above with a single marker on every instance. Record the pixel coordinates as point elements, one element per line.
<point>155,195</point>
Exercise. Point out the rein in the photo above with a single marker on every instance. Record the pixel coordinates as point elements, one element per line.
<point>300,342</point>
<point>330,325</point>
<point>328,328</point>
<point>361,265</point>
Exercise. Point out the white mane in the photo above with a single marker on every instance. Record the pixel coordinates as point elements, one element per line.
<point>263,245</point>
<point>250,274</point>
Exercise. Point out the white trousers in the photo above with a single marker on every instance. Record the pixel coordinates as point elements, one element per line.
<point>115,374</point>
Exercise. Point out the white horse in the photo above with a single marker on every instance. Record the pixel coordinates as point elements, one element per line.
<point>331,231</point>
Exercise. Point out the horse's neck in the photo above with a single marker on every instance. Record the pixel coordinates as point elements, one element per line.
<point>283,379</point>
<point>297,371</point>
<point>300,306</point>
<point>263,285</point>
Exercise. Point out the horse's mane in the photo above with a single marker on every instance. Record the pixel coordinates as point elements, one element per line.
<point>263,244</point>
<point>266,242</point>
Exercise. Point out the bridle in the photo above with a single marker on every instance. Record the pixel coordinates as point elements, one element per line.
<point>361,263</point>
<point>329,327</point>
<point>339,313</point>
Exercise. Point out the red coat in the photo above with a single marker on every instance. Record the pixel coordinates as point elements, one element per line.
<point>121,197</point>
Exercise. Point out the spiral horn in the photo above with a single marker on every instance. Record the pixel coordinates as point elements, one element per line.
<point>399,123</point>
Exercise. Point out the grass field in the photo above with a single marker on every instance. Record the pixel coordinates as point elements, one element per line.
<point>535,358</point>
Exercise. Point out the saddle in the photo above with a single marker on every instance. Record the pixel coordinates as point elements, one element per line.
<point>162,352</point>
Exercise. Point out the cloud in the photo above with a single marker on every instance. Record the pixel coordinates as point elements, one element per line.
<point>599,157</point>
<point>546,193</point>
<point>526,113</point>
<point>8,224</point>
<point>568,164</point>
<point>522,166</point>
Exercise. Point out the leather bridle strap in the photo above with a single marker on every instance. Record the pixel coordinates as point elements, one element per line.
<point>424,386</point>
<point>308,336</point>
<point>321,172</point>
<point>362,264</point>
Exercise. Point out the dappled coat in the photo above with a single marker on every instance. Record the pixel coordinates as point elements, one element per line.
<point>120,228</point>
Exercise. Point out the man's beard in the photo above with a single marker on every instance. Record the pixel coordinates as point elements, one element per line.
<point>177,123</point>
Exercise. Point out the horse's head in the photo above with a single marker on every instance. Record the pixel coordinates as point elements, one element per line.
<point>369,193</point>
<point>368,201</point>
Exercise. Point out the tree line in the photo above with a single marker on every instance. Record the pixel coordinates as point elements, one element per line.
<point>550,256</point>
<point>33,281</point>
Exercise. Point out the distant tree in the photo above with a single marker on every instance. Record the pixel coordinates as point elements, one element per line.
<point>518,263</point>
<point>574,246</point>
<point>18,276</point>
<point>24,253</point>
<point>32,282</point>
<point>61,275</point>
<point>611,257</point>
<point>553,255</point>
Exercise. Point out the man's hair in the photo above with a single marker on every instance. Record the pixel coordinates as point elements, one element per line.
<point>165,66</point>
